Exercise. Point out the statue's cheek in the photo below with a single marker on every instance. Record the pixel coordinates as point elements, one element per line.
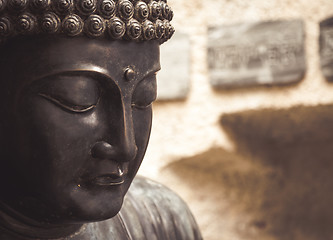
<point>142,120</point>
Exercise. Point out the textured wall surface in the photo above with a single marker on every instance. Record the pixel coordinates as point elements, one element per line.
<point>252,163</point>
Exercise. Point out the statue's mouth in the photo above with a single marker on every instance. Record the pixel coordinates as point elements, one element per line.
<point>111,179</point>
<point>108,180</point>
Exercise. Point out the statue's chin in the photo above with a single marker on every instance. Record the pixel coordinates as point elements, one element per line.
<point>88,204</point>
<point>83,211</point>
<point>58,225</point>
<point>72,205</point>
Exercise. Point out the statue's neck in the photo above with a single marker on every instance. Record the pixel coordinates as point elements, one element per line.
<point>14,226</point>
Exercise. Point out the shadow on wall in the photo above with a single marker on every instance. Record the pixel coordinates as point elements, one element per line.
<point>278,184</point>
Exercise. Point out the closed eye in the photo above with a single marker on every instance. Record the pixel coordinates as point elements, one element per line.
<point>135,105</point>
<point>145,92</point>
<point>67,106</point>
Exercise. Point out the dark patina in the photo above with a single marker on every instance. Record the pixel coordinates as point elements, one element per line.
<point>76,118</point>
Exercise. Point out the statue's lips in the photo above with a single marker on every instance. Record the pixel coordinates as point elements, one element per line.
<point>108,180</point>
<point>111,177</point>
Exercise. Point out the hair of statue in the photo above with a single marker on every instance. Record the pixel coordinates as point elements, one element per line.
<point>130,20</point>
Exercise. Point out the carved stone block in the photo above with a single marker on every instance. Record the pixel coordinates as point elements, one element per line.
<point>257,53</point>
<point>326,48</point>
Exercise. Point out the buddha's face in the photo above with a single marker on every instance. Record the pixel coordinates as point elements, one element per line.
<point>75,125</point>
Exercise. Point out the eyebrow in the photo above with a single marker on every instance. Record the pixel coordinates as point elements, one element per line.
<point>97,70</point>
<point>106,73</point>
<point>153,71</point>
<point>150,73</point>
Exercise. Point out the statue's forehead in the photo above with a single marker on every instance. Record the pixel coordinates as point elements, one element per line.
<point>44,58</point>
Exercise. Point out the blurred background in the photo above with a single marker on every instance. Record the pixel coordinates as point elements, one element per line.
<point>243,126</point>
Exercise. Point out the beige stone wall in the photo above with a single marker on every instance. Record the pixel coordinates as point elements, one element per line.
<point>232,185</point>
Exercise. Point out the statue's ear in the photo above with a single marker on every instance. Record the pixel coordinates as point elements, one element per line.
<point>3,142</point>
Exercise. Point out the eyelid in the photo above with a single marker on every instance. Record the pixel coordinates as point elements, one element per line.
<point>81,109</point>
<point>142,107</point>
<point>149,74</point>
<point>143,101</point>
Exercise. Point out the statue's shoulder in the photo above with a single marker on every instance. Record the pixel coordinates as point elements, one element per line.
<point>153,211</point>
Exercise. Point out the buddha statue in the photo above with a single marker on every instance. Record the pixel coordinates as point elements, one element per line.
<point>77,82</point>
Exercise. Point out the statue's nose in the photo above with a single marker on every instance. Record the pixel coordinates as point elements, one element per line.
<point>104,150</point>
<point>122,146</point>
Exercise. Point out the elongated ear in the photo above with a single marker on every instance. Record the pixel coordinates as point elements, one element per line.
<point>4,129</point>
<point>3,145</point>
